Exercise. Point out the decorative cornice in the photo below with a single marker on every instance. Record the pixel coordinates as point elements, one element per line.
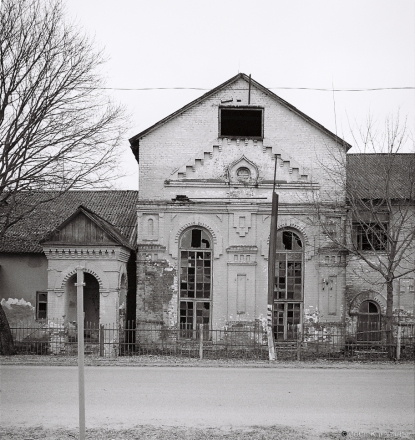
<point>118,253</point>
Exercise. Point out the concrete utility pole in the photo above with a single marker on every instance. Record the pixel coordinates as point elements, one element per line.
<point>81,376</point>
<point>271,267</point>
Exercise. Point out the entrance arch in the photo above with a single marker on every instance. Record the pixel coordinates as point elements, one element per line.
<point>368,322</point>
<point>91,300</point>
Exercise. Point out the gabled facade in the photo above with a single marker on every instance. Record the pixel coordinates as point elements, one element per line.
<point>206,181</point>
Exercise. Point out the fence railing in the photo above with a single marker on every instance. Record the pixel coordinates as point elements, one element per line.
<point>248,342</point>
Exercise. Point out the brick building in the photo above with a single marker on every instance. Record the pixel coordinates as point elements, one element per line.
<point>206,180</point>
<point>192,246</point>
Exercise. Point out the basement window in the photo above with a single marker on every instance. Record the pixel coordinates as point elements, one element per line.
<point>41,305</point>
<point>241,122</point>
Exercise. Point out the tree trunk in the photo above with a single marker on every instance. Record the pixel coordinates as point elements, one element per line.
<point>389,320</point>
<point>6,338</point>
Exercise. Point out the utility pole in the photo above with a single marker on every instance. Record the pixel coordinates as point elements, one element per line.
<point>81,376</point>
<point>271,267</point>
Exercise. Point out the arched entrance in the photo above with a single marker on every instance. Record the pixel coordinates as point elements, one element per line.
<point>288,285</point>
<point>368,322</point>
<point>91,300</point>
<point>195,283</point>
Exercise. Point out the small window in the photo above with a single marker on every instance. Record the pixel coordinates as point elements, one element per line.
<point>41,305</point>
<point>370,236</point>
<point>241,122</point>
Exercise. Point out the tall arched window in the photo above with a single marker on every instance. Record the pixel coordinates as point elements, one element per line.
<point>195,292</point>
<point>288,285</point>
<point>368,322</point>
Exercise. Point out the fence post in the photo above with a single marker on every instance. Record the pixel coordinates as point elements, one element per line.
<point>398,343</point>
<point>299,340</point>
<point>201,341</point>
<point>101,340</point>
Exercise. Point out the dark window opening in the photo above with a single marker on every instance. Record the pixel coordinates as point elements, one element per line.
<point>289,241</point>
<point>370,236</point>
<point>41,305</point>
<point>195,239</point>
<point>241,122</point>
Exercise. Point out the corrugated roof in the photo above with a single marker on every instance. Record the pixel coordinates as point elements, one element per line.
<point>116,208</point>
<point>380,176</point>
<point>135,140</point>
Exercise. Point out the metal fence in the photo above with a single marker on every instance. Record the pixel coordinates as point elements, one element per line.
<point>243,342</point>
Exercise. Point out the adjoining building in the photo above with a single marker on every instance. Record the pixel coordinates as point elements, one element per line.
<point>39,257</point>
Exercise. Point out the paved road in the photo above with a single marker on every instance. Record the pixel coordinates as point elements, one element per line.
<point>355,400</point>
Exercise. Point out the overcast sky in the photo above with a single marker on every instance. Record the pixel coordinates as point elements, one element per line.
<point>353,44</point>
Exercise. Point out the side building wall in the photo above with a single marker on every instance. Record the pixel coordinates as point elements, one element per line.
<point>21,276</point>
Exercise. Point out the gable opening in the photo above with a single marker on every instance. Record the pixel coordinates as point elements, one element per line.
<point>241,122</point>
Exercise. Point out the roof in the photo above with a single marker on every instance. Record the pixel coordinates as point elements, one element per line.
<point>110,229</point>
<point>134,141</point>
<point>380,176</point>
<point>115,211</point>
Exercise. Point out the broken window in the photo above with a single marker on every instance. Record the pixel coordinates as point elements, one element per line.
<point>287,316</point>
<point>41,305</point>
<point>195,238</point>
<point>370,236</point>
<point>241,122</point>
<point>288,285</point>
<point>195,284</point>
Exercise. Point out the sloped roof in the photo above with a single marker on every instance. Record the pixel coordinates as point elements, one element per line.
<point>379,176</point>
<point>110,229</point>
<point>134,141</point>
<point>117,209</point>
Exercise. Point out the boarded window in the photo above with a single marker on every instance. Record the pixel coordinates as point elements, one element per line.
<point>241,122</point>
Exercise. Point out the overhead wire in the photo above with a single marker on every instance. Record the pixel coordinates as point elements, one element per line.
<point>271,88</point>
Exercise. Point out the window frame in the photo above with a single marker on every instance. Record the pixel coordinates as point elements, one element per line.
<point>38,302</point>
<point>240,108</point>
<point>365,235</point>
<point>189,328</point>
<point>283,306</point>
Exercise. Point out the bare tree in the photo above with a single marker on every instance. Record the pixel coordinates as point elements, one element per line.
<point>379,196</point>
<point>58,131</point>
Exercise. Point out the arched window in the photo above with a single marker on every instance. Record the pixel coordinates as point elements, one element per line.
<point>288,285</point>
<point>368,322</point>
<point>195,284</point>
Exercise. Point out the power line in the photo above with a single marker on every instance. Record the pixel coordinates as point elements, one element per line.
<point>271,88</point>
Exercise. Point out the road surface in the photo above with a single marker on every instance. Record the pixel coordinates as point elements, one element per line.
<point>353,400</point>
